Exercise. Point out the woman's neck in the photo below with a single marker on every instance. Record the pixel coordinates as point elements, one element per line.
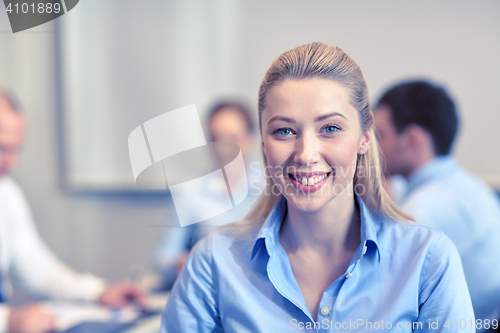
<point>330,231</point>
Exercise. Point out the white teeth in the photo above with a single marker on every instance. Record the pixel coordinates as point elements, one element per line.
<point>309,181</point>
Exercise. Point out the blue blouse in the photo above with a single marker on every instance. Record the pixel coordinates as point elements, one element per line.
<point>404,277</point>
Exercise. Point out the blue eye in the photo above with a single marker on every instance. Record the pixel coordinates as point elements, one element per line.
<point>283,131</point>
<point>330,129</point>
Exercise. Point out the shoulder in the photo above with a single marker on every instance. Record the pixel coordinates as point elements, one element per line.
<point>413,241</point>
<point>222,244</point>
<point>429,253</point>
<point>215,259</point>
<point>10,187</point>
<point>458,198</point>
<point>421,240</point>
<point>403,231</point>
<point>459,187</point>
<point>12,196</point>
<point>439,202</point>
<point>433,243</point>
<point>433,195</point>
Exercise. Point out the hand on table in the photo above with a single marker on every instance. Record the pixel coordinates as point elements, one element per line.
<point>32,318</point>
<point>122,294</point>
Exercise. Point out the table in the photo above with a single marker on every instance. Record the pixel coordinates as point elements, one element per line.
<point>94,318</point>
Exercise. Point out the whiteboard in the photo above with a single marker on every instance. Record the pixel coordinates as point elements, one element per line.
<point>123,62</point>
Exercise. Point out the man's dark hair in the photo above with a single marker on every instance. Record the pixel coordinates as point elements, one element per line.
<point>427,105</point>
<point>239,106</point>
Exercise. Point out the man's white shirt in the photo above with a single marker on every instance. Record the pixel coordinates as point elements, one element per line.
<point>26,258</point>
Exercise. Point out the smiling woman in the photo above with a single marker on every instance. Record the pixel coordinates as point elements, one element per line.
<point>324,245</point>
<point>344,93</point>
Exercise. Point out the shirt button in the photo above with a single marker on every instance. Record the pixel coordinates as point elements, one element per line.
<point>348,275</point>
<point>325,311</point>
<point>364,250</point>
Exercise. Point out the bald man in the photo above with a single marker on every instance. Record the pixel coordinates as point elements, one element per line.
<point>25,257</point>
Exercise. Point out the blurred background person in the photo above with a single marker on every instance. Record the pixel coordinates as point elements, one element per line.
<point>227,121</point>
<point>417,123</point>
<point>25,257</point>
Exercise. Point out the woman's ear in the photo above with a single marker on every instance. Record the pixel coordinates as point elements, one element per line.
<point>263,147</point>
<point>365,142</point>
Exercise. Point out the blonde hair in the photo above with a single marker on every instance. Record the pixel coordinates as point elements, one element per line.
<point>318,60</point>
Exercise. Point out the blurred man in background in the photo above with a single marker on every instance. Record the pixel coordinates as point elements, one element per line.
<point>227,121</point>
<point>25,257</point>
<point>417,123</point>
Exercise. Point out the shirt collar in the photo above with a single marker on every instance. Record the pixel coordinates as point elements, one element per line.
<point>368,231</point>
<point>435,168</point>
<point>268,234</point>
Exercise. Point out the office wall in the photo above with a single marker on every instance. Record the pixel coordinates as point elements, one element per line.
<point>125,62</point>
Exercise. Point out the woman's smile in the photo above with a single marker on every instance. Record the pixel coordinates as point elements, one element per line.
<point>311,182</point>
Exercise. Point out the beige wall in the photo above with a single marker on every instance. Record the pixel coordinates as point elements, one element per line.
<point>133,60</point>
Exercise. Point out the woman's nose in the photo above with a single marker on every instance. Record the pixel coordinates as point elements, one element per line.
<point>307,150</point>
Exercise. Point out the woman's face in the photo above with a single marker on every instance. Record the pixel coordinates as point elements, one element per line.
<point>311,135</point>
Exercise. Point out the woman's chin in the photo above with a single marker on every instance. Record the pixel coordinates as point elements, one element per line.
<point>310,202</point>
<point>307,203</point>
